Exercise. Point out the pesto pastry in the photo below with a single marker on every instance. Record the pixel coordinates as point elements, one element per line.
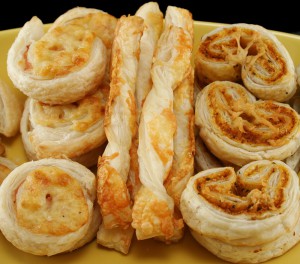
<point>239,129</point>
<point>247,53</point>
<point>246,217</point>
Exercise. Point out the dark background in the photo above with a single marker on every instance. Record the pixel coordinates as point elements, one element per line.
<point>281,17</point>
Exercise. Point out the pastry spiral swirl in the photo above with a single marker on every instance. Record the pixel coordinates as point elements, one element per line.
<point>48,206</point>
<point>249,216</point>
<point>74,131</point>
<point>247,53</point>
<point>238,128</point>
<point>57,67</point>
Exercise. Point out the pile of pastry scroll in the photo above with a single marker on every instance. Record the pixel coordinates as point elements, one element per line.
<point>126,95</point>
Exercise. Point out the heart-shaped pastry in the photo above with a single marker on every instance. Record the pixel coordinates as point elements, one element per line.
<point>238,128</point>
<point>249,53</point>
<point>249,216</point>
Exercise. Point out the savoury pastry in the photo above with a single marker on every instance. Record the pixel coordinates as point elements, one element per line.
<point>183,108</point>
<point>120,128</point>
<point>10,111</point>
<point>249,53</point>
<point>100,23</point>
<point>48,206</point>
<point>6,166</point>
<point>204,159</point>
<point>250,216</point>
<point>58,67</point>
<point>153,209</point>
<point>237,128</point>
<point>153,25</point>
<point>74,131</point>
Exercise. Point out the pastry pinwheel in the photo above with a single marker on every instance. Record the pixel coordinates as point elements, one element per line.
<point>250,54</point>
<point>248,216</point>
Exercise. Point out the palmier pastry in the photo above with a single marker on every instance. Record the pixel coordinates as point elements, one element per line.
<point>249,53</point>
<point>57,67</point>
<point>74,131</point>
<point>10,111</point>
<point>48,206</point>
<point>246,217</point>
<point>237,128</point>
<point>6,166</point>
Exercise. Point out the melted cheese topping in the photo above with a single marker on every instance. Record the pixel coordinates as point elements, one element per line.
<point>259,123</point>
<point>238,46</point>
<point>80,115</point>
<point>51,202</point>
<point>102,24</point>
<point>63,50</point>
<point>258,190</point>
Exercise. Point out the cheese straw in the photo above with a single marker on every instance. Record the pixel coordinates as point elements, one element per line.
<point>120,128</point>
<point>153,210</point>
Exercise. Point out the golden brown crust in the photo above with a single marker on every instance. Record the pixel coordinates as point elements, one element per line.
<point>77,69</point>
<point>171,65</point>
<point>120,128</point>
<point>248,53</point>
<point>237,128</point>
<point>71,131</point>
<point>249,216</point>
<point>47,206</point>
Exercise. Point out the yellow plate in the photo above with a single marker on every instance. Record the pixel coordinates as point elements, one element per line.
<point>147,251</point>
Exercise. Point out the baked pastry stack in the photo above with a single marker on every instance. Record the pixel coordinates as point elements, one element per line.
<point>120,127</point>
<point>153,209</point>
<point>64,74</point>
<point>49,206</point>
<point>153,25</point>
<point>246,217</point>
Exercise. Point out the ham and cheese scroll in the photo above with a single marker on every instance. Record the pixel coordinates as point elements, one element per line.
<point>74,131</point>
<point>6,167</point>
<point>10,111</point>
<point>246,217</point>
<point>120,128</point>
<point>98,21</point>
<point>249,53</point>
<point>237,128</point>
<point>49,206</point>
<point>57,67</point>
<point>153,210</point>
